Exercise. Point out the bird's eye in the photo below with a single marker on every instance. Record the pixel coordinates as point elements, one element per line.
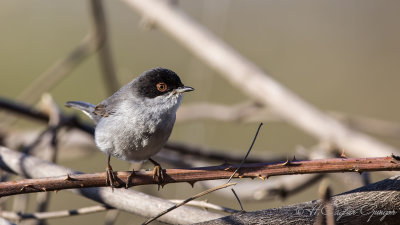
<point>162,86</point>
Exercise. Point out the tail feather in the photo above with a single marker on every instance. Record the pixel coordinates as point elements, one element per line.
<point>85,107</point>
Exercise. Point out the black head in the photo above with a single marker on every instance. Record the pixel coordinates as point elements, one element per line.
<point>156,82</point>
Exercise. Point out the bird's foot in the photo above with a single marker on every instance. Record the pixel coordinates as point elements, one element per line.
<point>158,173</point>
<point>111,178</point>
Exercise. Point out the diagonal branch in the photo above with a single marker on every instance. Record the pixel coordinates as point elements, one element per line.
<point>105,56</point>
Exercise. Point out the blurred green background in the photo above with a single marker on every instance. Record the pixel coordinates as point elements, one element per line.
<point>338,55</point>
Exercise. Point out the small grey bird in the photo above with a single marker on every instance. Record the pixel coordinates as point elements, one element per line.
<point>136,121</point>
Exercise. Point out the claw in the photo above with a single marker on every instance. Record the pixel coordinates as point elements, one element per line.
<point>158,173</point>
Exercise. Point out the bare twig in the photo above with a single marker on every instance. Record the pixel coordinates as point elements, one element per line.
<point>247,154</point>
<point>56,214</point>
<point>188,200</point>
<point>238,199</point>
<point>241,164</point>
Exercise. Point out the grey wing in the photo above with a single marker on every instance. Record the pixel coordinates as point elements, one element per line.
<point>105,108</point>
<point>88,108</point>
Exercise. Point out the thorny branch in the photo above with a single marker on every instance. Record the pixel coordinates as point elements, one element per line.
<point>256,170</point>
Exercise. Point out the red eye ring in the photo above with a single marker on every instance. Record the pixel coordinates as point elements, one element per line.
<point>161,86</point>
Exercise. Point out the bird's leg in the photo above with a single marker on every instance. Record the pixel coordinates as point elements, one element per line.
<point>158,173</point>
<point>129,180</point>
<point>110,180</point>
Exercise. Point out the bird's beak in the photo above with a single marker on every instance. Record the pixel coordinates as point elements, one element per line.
<point>184,89</point>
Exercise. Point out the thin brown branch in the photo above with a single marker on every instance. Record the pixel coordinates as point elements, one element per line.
<point>247,154</point>
<point>256,170</point>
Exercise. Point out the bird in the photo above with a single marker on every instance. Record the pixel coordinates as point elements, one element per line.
<point>136,121</point>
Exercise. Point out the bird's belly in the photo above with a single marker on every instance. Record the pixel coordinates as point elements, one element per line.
<point>132,140</point>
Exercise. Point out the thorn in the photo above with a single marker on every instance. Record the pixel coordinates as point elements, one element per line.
<point>261,177</point>
<point>68,177</point>
<point>397,158</point>
<point>294,158</point>
<point>44,189</point>
<point>192,183</point>
<point>343,155</point>
<point>26,186</point>
<point>287,163</point>
<point>228,168</point>
<point>356,169</point>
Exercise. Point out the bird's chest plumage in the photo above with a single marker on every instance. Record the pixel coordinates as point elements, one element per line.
<point>136,131</point>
